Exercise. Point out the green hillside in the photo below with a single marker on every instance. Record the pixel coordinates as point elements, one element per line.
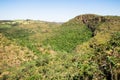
<point>69,36</point>
<point>86,47</point>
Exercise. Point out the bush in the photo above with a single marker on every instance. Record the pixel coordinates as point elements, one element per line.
<point>69,37</point>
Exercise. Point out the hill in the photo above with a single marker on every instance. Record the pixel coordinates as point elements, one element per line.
<point>86,47</point>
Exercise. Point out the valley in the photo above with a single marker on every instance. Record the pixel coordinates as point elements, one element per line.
<point>86,47</point>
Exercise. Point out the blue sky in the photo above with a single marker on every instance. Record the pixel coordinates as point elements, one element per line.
<point>56,10</point>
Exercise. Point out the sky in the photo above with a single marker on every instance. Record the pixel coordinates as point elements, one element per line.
<point>56,10</point>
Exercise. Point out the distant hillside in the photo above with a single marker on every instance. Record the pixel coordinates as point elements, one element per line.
<point>82,28</point>
<point>102,27</point>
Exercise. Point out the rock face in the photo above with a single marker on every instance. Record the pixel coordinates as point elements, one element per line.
<point>87,18</point>
<point>93,21</point>
<point>90,20</point>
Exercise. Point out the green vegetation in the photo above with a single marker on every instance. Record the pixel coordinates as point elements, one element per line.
<point>85,48</point>
<point>69,36</point>
<point>19,35</point>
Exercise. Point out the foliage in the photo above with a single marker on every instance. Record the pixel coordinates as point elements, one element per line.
<point>64,52</point>
<point>107,57</point>
<point>69,37</point>
<point>19,35</point>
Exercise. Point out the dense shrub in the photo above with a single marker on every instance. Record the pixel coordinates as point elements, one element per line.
<point>68,37</point>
